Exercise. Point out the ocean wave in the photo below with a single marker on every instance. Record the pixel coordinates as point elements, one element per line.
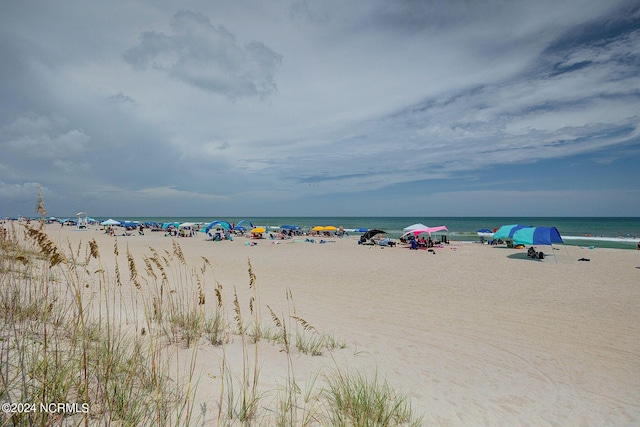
<point>631,240</point>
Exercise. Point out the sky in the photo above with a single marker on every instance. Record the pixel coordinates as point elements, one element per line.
<point>320,108</point>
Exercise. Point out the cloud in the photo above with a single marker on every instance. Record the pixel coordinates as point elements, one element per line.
<point>208,57</point>
<point>121,98</point>
<point>26,190</point>
<point>41,136</point>
<point>304,13</point>
<point>335,104</point>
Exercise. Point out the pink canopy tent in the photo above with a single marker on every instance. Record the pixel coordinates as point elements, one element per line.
<point>426,230</point>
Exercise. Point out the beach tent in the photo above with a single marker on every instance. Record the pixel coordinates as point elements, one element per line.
<point>130,224</point>
<point>217,224</point>
<point>537,236</point>
<point>243,224</point>
<point>371,233</point>
<point>110,222</point>
<point>545,236</point>
<point>428,230</point>
<point>413,227</point>
<point>507,231</point>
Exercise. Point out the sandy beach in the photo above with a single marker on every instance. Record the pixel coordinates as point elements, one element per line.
<point>474,334</point>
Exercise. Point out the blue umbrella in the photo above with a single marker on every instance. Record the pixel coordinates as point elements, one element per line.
<point>289,227</point>
<point>361,230</point>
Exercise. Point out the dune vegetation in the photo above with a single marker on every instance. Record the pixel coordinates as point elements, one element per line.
<point>104,343</point>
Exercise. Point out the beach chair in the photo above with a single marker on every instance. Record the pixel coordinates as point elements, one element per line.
<point>414,244</point>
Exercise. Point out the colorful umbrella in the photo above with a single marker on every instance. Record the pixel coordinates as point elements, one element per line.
<point>258,230</point>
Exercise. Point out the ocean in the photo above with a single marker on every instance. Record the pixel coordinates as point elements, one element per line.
<point>621,232</point>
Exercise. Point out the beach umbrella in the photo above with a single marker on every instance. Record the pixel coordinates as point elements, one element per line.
<point>537,236</point>
<point>484,232</point>
<point>507,231</point>
<point>317,228</point>
<point>329,228</point>
<point>258,230</point>
<point>110,222</point>
<point>361,230</point>
<point>187,224</point>
<point>289,227</point>
<point>418,226</point>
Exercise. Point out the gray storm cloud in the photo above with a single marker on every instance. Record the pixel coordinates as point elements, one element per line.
<point>208,57</point>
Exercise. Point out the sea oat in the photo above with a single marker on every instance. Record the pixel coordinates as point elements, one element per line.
<point>133,271</point>
<point>93,247</point>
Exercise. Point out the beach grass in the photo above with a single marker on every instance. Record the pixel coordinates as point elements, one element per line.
<point>74,332</point>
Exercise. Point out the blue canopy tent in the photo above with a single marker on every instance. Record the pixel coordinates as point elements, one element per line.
<point>537,236</point>
<point>507,231</point>
<point>534,236</point>
<point>217,224</point>
<point>243,224</point>
<point>130,224</point>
